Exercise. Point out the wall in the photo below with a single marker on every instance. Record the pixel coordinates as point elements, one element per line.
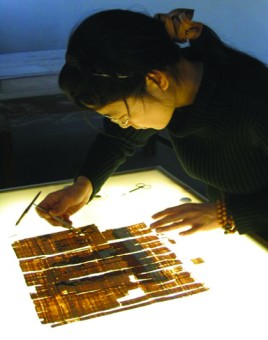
<point>33,25</point>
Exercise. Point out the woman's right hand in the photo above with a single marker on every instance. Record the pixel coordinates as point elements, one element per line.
<point>67,201</point>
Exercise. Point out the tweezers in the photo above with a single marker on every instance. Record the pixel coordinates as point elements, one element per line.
<point>62,221</point>
<point>56,218</point>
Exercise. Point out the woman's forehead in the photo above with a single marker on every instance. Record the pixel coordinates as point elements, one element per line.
<point>113,108</point>
<point>110,106</point>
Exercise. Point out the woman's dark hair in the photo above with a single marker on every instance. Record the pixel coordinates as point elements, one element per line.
<point>210,48</point>
<point>110,53</point>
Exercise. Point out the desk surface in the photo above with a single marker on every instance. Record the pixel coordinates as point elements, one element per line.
<point>234,268</point>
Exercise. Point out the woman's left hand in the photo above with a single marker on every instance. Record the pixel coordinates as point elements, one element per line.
<point>198,216</point>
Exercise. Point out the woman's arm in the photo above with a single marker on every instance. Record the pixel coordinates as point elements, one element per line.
<point>109,150</point>
<point>105,155</point>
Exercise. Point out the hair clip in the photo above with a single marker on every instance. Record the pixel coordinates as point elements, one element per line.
<point>116,75</point>
<point>74,61</point>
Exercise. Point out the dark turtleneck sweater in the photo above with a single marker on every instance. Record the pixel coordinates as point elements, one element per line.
<point>221,139</point>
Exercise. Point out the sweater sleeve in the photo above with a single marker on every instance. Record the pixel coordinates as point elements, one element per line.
<point>109,150</point>
<point>250,211</point>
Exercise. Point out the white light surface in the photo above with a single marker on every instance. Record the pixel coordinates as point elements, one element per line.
<point>235,270</point>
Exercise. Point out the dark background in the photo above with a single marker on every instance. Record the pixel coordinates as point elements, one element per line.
<point>47,138</point>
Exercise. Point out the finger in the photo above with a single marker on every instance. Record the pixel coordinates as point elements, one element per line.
<point>167,220</point>
<point>174,215</point>
<point>50,220</point>
<point>59,221</point>
<point>177,210</point>
<point>66,218</point>
<point>166,212</point>
<point>59,208</point>
<point>159,214</point>
<point>48,202</point>
<point>186,222</point>
<point>53,222</point>
<point>188,232</point>
<point>42,212</point>
<point>169,227</point>
<point>164,222</point>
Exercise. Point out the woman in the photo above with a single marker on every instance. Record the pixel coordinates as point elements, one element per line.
<point>211,99</point>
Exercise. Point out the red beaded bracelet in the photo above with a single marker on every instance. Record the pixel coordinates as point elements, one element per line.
<point>226,221</point>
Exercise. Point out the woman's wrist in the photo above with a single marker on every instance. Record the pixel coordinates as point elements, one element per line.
<point>84,186</point>
<point>225,219</point>
<point>84,181</point>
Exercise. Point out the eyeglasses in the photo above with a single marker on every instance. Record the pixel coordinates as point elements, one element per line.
<point>120,122</point>
<point>123,123</point>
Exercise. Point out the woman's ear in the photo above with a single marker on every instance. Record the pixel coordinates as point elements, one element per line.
<point>156,80</point>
